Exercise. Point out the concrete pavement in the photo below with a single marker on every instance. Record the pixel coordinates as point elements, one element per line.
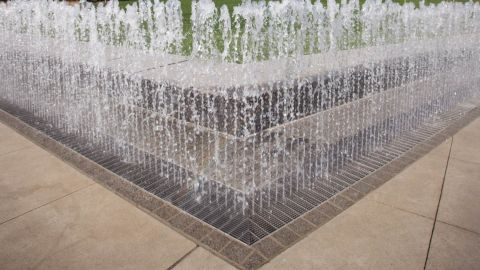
<point>54,217</point>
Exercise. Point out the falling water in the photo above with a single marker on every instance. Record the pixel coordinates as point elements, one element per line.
<point>244,107</point>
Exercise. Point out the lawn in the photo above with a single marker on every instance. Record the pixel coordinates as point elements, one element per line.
<point>186,45</point>
<point>187,12</point>
<point>186,4</point>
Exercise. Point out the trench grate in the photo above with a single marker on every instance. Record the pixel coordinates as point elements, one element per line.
<point>272,208</point>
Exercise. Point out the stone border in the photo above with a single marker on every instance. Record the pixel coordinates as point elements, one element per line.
<point>222,245</point>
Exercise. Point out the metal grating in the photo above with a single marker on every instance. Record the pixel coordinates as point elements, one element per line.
<point>265,216</point>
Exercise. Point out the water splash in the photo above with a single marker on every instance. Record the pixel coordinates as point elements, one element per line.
<point>267,99</point>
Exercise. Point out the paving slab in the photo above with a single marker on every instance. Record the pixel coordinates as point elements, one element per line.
<point>202,259</point>
<point>368,235</point>
<point>443,149</point>
<point>453,248</point>
<point>466,143</point>
<point>374,233</point>
<point>31,177</point>
<point>10,141</point>
<point>473,129</point>
<point>460,204</point>
<point>417,188</point>
<point>89,229</point>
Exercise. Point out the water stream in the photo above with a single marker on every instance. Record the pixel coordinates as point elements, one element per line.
<point>245,107</point>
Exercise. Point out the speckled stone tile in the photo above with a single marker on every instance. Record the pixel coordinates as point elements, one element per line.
<point>374,180</point>
<point>362,187</point>
<point>329,209</point>
<point>268,247</point>
<point>352,194</point>
<point>216,240</point>
<point>254,261</point>
<point>285,236</point>
<point>166,212</point>
<point>148,201</point>
<point>301,227</point>
<point>198,230</point>
<point>341,202</point>
<point>317,217</point>
<point>181,221</point>
<point>236,252</point>
<point>223,245</point>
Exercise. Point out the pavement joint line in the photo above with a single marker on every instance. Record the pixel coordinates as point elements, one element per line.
<point>47,203</point>
<point>438,205</point>
<point>459,227</point>
<point>46,149</point>
<point>401,209</point>
<point>418,154</point>
<point>183,257</point>
<point>17,150</point>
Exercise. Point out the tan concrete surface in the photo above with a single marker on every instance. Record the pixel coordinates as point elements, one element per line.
<point>466,145</point>
<point>443,149</point>
<point>368,235</point>
<point>460,204</point>
<point>54,217</point>
<point>453,249</point>
<point>32,177</point>
<point>202,259</point>
<point>417,188</point>
<point>62,220</point>
<point>89,229</point>
<point>10,141</point>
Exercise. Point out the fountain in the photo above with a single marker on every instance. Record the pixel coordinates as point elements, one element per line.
<point>245,118</point>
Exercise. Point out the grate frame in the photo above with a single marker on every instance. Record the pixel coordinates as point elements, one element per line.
<point>272,221</point>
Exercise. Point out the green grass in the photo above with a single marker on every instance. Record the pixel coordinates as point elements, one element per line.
<point>186,4</point>
<point>187,11</point>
